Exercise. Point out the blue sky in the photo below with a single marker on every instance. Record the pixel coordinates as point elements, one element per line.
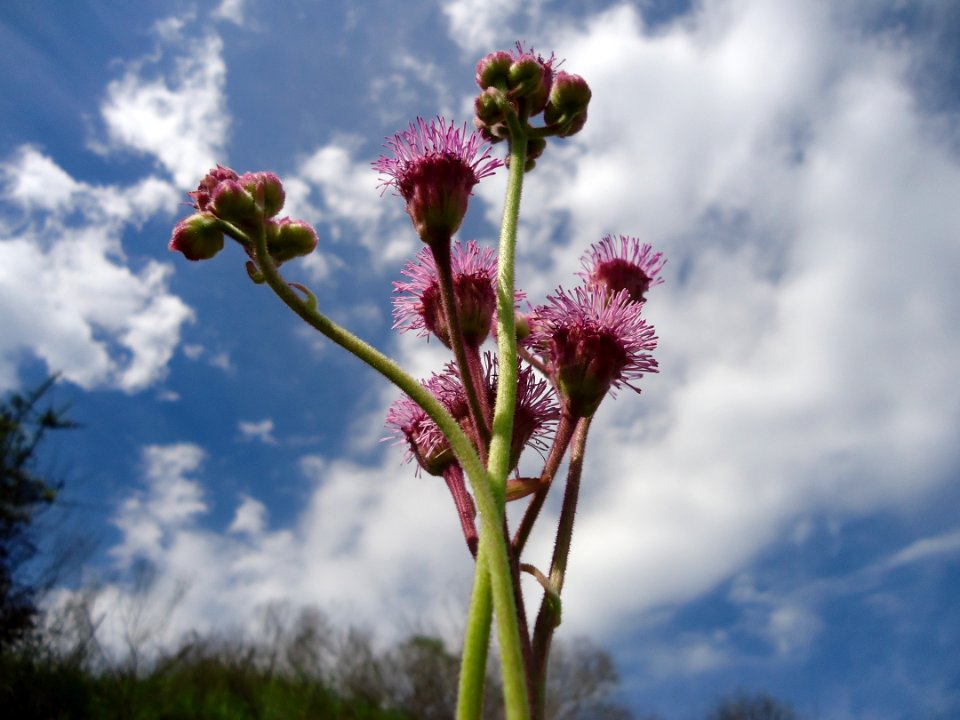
<point>777,511</point>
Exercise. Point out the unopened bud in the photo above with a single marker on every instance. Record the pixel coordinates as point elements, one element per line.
<point>198,237</point>
<point>493,70</point>
<point>531,78</point>
<point>287,239</point>
<point>232,202</point>
<point>569,98</point>
<point>265,188</point>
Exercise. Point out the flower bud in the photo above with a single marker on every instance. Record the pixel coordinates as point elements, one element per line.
<point>486,107</point>
<point>569,98</point>
<point>232,202</point>
<point>267,189</point>
<point>493,70</point>
<point>531,78</point>
<point>198,237</point>
<point>203,195</point>
<point>287,239</point>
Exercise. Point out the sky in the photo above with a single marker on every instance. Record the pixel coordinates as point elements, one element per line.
<point>777,511</point>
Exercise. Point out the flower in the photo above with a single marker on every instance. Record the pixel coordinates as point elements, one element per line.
<point>410,424</point>
<point>594,343</point>
<point>419,306</point>
<point>632,267</point>
<point>434,168</point>
<point>535,415</point>
<point>535,411</point>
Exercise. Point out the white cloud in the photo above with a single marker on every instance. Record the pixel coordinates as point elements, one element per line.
<point>374,546</point>
<point>486,25</point>
<point>231,10</point>
<point>68,296</point>
<point>261,431</point>
<point>181,120</point>
<point>150,519</point>
<point>250,517</point>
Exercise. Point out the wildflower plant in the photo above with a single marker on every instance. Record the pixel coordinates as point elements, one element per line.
<point>552,367</point>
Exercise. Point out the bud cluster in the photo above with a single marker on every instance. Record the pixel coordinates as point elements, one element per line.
<point>241,206</point>
<point>519,85</point>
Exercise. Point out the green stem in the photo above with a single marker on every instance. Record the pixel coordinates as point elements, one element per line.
<point>473,664</point>
<point>499,459</point>
<point>489,505</point>
<point>513,667</point>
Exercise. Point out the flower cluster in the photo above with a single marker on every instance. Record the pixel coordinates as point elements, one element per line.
<point>241,206</point>
<point>475,418</point>
<point>594,340</point>
<point>519,85</point>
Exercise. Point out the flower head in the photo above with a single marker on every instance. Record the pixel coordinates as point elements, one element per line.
<point>624,265</point>
<point>434,168</point>
<point>535,412</point>
<point>419,306</point>
<point>410,424</point>
<point>535,415</point>
<point>594,343</point>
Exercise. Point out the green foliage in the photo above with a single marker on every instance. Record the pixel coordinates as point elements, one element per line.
<point>23,493</point>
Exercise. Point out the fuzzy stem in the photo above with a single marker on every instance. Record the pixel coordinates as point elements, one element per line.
<point>476,641</point>
<point>498,460</point>
<point>548,618</point>
<point>561,440</point>
<point>448,299</point>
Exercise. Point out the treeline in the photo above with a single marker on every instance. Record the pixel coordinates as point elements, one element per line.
<point>304,668</point>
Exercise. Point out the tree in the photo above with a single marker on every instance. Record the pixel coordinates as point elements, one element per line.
<point>24,492</point>
<point>752,707</point>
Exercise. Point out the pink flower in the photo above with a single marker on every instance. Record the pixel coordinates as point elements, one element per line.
<point>434,168</point>
<point>419,305</point>
<point>410,424</point>
<point>631,266</point>
<point>535,416</point>
<point>594,343</point>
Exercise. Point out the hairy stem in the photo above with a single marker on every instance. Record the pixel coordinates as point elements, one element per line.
<point>549,616</point>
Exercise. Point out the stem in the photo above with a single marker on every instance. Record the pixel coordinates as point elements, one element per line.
<point>548,618</point>
<point>466,510</point>
<point>489,505</point>
<point>499,459</point>
<point>511,657</point>
<point>561,440</point>
<point>448,299</point>
<point>473,664</point>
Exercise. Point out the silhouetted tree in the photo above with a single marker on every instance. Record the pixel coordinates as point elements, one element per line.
<point>23,493</point>
<point>759,706</point>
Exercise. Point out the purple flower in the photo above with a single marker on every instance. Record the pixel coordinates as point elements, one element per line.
<point>594,343</point>
<point>410,424</point>
<point>626,265</point>
<point>535,412</point>
<point>419,306</point>
<point>434,168</point>
<point>535,416</point>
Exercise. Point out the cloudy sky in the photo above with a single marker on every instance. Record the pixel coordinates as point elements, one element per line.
<point>777,511</point>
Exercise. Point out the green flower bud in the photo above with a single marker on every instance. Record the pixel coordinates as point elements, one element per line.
<point>198,237</point>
